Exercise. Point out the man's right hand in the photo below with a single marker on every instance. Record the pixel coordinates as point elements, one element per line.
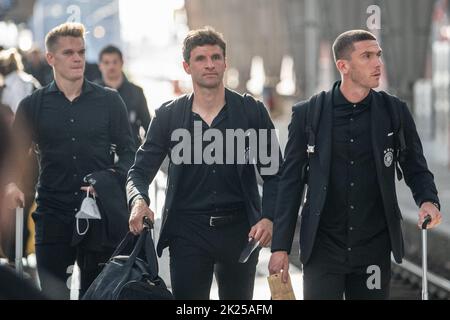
<point>279,262</point>
<point>139,210</point>
<point>14,198</point>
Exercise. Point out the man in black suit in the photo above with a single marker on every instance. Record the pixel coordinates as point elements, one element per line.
<point>350,220</point>
<point>212,208</point>
<point>111,66</point>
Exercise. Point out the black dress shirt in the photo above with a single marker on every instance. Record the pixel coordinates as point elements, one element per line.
<point>209,188</point>
<point>75,139</point>
<point>352,230</point>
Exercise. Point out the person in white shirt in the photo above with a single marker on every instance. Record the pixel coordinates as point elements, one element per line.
<point>17,84</point>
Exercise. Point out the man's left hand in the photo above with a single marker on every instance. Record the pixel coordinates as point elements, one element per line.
<point>428,208</point>
<point>262,232</point>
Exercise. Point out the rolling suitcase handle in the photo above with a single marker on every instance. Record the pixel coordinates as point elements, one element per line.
<point>424,258</point>
<point>19,241</point>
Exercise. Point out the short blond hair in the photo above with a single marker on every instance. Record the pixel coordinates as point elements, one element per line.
<point>68,29</point>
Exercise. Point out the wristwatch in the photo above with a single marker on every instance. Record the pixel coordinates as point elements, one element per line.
<point>137,199</point>
<point>437,205</point>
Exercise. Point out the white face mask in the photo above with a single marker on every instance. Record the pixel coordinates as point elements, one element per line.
<point>88,210</point>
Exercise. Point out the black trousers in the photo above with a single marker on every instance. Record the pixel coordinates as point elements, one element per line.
<point>56,257</point>
<point>336,282</point>
<point>55,267</point>
<point>197,251</point>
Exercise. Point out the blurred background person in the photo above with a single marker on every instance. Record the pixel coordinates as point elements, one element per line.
<point>11,286</point>
<point>17,83</point>
<point>36,65</point>
<point>111,67</point>
<point>6,118</point>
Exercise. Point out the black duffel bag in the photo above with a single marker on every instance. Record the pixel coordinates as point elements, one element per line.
<point>131,277</point>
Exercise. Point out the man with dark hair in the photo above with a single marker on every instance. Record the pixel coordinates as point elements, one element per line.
<point>343,46</point>
<point>111,65</point>
<point>212,208</point>
<point>75,124</point>
<point>350,220</point>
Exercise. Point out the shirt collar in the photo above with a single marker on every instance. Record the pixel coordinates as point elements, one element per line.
<point>87,87</point>
<point>339,98</point>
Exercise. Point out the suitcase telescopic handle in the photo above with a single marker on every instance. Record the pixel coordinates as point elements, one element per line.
<point>426,222</point>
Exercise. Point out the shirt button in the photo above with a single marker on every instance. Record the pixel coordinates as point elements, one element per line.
<point>74,139</point>
<point>354,106</point>
<point>74,157</point>
<point>352,140</point>
<point>351,119</point>
<point>351,228</point>
<point>76,209</point>
<point>352,184</point>
<point>352,207</point>
<point>325,188</point>
<point>214,171</point>
<point>76,193</point>
<point>349,249</point>
<point>352,162</point>
<point>72,120</point>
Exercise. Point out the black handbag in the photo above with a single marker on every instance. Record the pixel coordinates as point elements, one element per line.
<point>130,277</point>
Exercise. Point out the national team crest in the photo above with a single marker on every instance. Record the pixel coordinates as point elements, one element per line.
<point>388,157</point>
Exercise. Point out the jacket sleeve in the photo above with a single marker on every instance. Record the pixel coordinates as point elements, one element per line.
<point>149,158</point>
<point>291,184</point>
<point>269,162</point>
<point>121,134</point>
<point>417,175</point>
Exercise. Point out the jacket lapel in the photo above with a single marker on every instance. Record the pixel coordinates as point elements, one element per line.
<point>182,107</point>
<point>237,117</point>
<point>187,108</point>
<point>380,126</point>
<point>324,134</point>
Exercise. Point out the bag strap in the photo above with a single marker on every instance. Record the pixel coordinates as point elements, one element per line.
<point>313,112</point>
<point>396,115</point>
<point>150,252</point>
<point>125,241</point>
<point>130,261</point>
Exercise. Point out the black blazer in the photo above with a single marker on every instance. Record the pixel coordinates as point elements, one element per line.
<point>244,113</point>
<point>112,203</point>
<point>417,176</point>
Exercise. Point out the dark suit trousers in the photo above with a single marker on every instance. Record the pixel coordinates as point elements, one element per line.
<point>56,256</point>
<point>197,251</point>
<point>337,281</point>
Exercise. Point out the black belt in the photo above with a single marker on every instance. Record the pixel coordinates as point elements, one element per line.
<point>221,221</point>
<point>226,218</point>
<point>218,218</point>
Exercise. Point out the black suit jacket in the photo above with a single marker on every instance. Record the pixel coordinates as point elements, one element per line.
<point>417,176</point>
<point>106,233</point>
<point>244,113</point>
